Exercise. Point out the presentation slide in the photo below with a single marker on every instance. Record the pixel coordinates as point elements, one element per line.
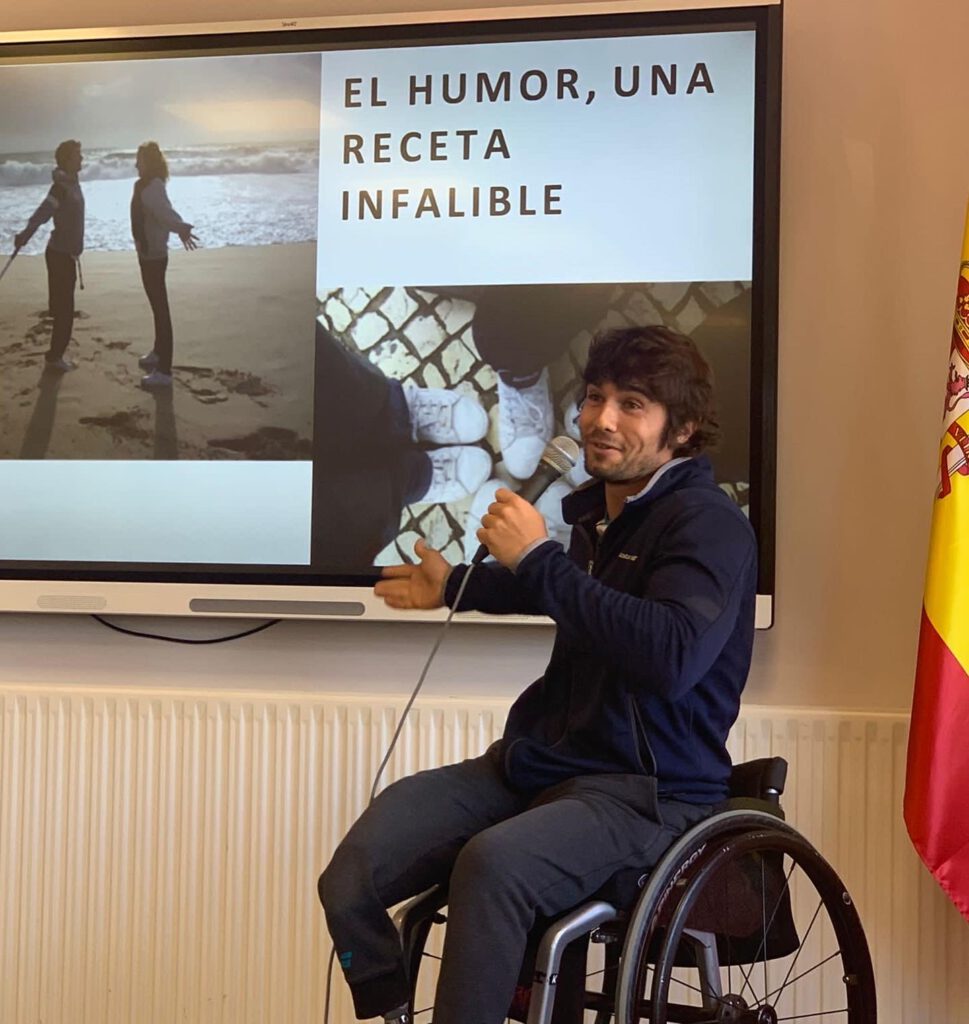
<point>565,161</point>
<point>298,309</point>
<point>484,210</point>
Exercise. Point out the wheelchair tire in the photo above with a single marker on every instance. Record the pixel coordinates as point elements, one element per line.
<point>825,974</point>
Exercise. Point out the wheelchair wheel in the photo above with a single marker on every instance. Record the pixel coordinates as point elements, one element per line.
<point>782,938</point>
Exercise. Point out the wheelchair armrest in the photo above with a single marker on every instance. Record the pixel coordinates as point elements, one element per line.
<point>762,779</point>
<point>751,803</point>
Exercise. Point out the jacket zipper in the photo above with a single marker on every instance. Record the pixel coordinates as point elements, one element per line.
<point>644,747</point>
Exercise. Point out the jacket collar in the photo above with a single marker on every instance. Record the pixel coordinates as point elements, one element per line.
<point>589,501</point>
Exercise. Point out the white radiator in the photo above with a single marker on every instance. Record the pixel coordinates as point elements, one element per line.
<point>159,852</point>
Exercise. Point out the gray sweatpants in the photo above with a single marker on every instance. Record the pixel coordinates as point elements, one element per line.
<point>509,857</point>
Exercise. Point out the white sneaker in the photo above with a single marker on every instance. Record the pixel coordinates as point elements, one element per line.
<point>156,379</point>
<point>524,425</point>
<point>549,504</point>
<point>457,472</point>
<point>479,505</point>
<point>577,475</point>
<point>571,423</point>
<point>149,360</point>
<point>445,417</point>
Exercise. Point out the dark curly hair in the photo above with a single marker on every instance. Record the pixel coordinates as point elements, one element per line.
<point>153,161</point>
<point>667,368</point>
<point>65,150</point>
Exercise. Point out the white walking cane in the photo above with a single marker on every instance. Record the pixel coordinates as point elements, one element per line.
<point>6,265</point>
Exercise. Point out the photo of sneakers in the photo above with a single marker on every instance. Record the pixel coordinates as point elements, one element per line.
<point>484,496</point>
<point>496,368</point>
<point>525,424</point>
<point>441,416</point>
<point>549,504</point>
<point>456,472</point>
<point>570,420</point>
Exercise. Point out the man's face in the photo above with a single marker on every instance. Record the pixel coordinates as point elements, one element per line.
<point>622,431</point>
<point>73,161</point>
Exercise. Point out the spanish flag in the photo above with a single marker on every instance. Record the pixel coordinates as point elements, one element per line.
<point>937,781</point>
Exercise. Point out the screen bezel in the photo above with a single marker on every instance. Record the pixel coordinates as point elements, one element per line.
<point>172,589</point>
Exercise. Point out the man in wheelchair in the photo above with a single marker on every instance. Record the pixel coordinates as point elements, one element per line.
<point>620,746</point>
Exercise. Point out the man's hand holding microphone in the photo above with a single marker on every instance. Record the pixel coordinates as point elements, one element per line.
<point>511,526</point>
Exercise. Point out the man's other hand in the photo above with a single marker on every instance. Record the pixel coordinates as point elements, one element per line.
<point>509,526</point>
<point>415,586</point>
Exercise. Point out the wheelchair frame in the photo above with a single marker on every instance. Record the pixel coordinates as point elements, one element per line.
<point>656,935</point>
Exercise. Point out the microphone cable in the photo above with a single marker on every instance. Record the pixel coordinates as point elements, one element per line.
<point>560,455</point>
<point>393,743</point>
<point>420,683</point>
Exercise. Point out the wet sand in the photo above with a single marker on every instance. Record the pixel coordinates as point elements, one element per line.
<point>244,320</point>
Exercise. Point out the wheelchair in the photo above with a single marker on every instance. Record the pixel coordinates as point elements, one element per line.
<point>741,922</point>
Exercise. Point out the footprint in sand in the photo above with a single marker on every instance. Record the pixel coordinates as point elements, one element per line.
<point>267,443</point>
<point>244,384</point>
<point>211,386</point>
<point>207,397</point>
<point>191,378</point>
<point>124,425</point>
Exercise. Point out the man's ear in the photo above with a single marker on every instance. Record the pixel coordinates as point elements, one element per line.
<point>684,434</point>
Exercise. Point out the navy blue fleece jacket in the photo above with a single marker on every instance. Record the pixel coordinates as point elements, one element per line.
<point>655,629</point>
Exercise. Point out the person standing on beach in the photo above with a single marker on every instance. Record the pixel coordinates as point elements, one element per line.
<point>64,203</point>
<point>153,219</point>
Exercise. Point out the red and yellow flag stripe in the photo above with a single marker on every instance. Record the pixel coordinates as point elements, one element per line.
<point>937,783</point>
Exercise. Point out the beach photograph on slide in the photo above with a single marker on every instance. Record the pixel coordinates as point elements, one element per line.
<point>158,222</point>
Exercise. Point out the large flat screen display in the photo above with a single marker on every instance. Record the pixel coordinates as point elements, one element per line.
<point>275,304</point>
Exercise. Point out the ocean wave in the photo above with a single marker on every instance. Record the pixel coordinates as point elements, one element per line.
<point>22,172</point>
<point>119,165</point>
<point>264,209</point>
<point>277,162</point>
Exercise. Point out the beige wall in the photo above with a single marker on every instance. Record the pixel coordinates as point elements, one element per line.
<point>875,177</point>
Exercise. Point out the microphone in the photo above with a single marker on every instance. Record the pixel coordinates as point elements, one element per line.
<point>560,455</point>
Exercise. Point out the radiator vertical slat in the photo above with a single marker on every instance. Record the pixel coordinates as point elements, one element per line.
<point>235,922</point>
<point>11,828</point>
<point>76,815</point>
<point>167,950</point>
<point>880,815</point>
<point>31,921</point>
